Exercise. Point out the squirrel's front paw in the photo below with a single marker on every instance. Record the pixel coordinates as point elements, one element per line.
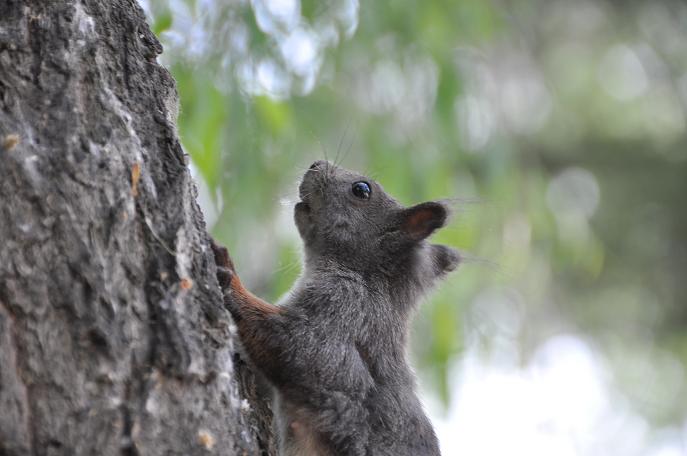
<point>224,276</point>
<point>223,262</point>
<point>225,273</point>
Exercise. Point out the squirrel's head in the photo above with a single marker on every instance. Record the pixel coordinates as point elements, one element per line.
<point>347,218</point>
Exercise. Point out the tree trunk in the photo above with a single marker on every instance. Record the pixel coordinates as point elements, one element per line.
<point>113,338</point>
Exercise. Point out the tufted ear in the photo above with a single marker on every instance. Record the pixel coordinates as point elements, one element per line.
<point>419,221</point>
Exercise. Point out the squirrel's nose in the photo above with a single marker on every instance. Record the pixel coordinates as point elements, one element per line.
<point>319,164</point>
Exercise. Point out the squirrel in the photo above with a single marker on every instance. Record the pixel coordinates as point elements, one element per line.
<point>334,349</point>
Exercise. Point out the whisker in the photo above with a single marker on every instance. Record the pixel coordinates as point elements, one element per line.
<point>320,143</point>
<point>288,267</point>
<point>341,140</point>
<point>471,200</point>
<point>494,266</point>
<point>376,172</point>
<point>314,170</point>
<point>349,148</point>
<point>373,176</point>
<point>301,168</point>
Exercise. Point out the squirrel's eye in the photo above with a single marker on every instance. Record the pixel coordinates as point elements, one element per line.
<point>362,190</point>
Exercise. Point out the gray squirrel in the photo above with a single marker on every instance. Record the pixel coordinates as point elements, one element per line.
<point>334,349</point>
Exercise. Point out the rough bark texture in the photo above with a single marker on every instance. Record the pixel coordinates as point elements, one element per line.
<point>113,339</point>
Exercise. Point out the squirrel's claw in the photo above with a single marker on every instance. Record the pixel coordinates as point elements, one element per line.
<point>224,276</point>
<point>225,273</point>
<point>222,257</point>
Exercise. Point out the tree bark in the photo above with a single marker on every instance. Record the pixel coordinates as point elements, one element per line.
<point>113,338</point>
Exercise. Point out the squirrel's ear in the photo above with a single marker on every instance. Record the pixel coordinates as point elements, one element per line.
<point>420,221</point>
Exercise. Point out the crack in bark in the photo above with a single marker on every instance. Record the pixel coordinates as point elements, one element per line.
<point>128,444</point>
<point>25,399</point>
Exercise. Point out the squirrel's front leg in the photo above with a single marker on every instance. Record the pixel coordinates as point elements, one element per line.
<point>259,322</point>
<point>242,303</point>
<point>281,346</point>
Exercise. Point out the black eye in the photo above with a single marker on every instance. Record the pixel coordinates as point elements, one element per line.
<point>362,190</point>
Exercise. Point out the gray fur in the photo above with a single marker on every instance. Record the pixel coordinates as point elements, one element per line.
<point>337,351</point>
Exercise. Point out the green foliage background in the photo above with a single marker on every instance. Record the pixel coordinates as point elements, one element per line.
<point>558,127</point>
